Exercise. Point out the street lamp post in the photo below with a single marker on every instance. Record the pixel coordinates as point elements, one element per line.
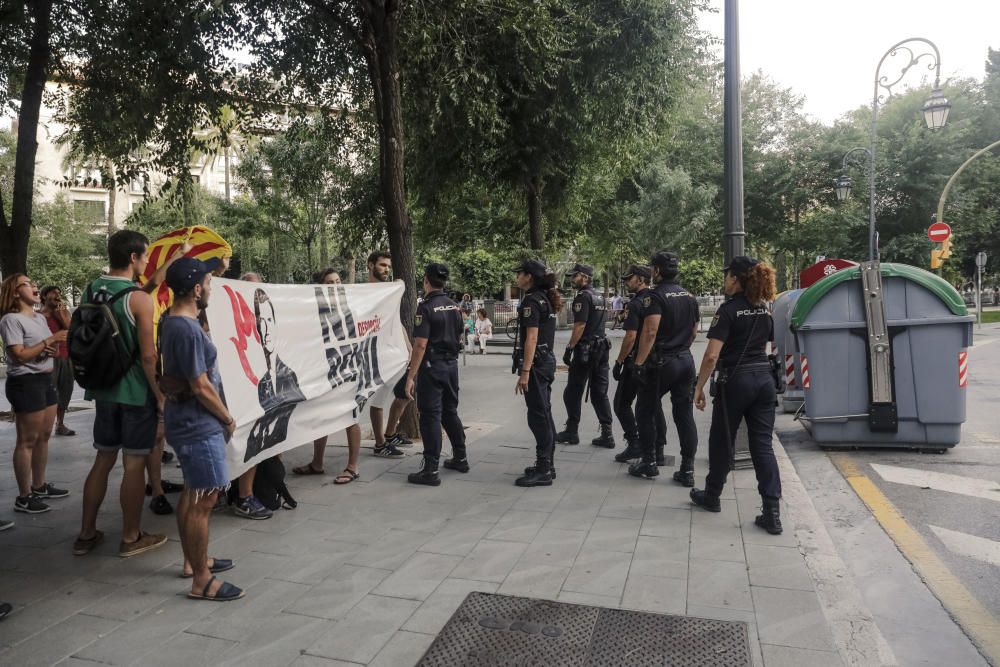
<point>842,185</point>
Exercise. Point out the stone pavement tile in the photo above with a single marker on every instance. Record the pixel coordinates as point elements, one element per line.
<point>660,557</point>
<point>457,538</point>
<point>405,648</point>
<point>669,494</point>
<point>22,588</point>
<point>599,573</point>
<point>555,547</point>
<point>186,649</point>
<point>517,526</point>
<point>27,533</point>
<point>316,661</point>
<point>778,567</point>
<point>337,594</point>
<point>666,522</point>
<point>127,602</point>
<point>12,555</point>
<point>791,618</point>
<point>734,615</point>
<point>490,560</point>
<point>347,527</point>
<point>535,581</point>
<point>47,648</point>
<point>625,504</point>
<point>442,603</point>
<point>418,577</point>
<point>579,517</point>
<point>251,568</point>
<point>612,535</point>
<point>50,610</point>
<point>572,597</point>
<point>729,517</point>
<point>657,594</point>
<point>785,656</point>
<point>488,508</point>
<point>74,662</point>
<point>718,548</point>
<point>719,584</point>
<point>541,499</point>
<point>237,622</point>
<point>481,471</point>
<point>276,639</point>
<point>391,550</point>
<point>316,563</point>
<point>368,628</point>
<point>744,479</point>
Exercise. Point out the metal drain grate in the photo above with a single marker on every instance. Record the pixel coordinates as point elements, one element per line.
<point>499,630</point>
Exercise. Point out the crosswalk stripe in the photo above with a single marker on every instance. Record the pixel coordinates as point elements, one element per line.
<point>940,481</point>
<point>980,548</point>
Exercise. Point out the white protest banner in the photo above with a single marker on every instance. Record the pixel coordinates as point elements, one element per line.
<point>301,361</point>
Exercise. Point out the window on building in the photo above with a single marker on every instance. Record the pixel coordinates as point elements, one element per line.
<point>85,176</point>
<point>90,212</point>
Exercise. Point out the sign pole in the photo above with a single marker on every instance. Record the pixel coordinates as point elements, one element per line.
<point>980,265</point>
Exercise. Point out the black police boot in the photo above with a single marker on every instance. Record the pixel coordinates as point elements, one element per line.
<point>605,439</point>
<point>539,474</point>
<point>660,459</point>
<point>644,469</point>
<point>569,436</point>
<point>630,452</point>
<point>530,470</point>
<point>685,476</point>
<point>770,517</point>
<point>460,465</point>
<point>705,500</point>
<point>427,475</point>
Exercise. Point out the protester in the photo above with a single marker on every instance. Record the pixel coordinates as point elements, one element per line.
<point>388,441</point>
<point>30,347</point>
<point>197,424</point>
<point>126,412</point>
<point>315,467</point>
<point>57,317</point>
<point>483,330</point>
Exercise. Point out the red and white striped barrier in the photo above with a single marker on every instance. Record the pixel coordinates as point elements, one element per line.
<point>963,368</point>
<point>804,363</point>
<point>790,370</point>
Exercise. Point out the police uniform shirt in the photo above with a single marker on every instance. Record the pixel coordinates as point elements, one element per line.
<point>535,311</point>
<point>741,325</point>
<point>589,307</point>
<point>678,311</point>
<point>439,320</point>
<point>635,313</point>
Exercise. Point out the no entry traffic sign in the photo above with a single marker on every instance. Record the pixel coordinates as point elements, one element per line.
<point>939,232</point>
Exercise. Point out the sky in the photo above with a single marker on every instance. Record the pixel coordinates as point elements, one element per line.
<point>828,50</point>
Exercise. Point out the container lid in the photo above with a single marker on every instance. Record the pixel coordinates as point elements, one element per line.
<point>932,282</point>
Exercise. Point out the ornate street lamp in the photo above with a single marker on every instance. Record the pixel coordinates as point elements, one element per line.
<point>842,186</point>
<point>936,110</point>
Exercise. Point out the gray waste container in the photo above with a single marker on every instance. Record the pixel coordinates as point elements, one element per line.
<point>929,330</point>
<point>788,350</point>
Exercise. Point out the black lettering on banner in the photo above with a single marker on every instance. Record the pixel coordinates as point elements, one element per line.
<point>355,361</point>
<point>334,313</point>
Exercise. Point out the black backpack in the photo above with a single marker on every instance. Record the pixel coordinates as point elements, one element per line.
<point>99,353</point>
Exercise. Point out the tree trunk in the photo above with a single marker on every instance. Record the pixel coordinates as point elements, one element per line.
<point>352,268</point>
<point>324,246</point>
<point>379,41</point>
<point>109,167</point>
<point>14,237</point>
<point>781,269</point>
<point>535,232</point>
<point>225,157</point>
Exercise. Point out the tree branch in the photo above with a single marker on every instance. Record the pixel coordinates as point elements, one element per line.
<point>337,18</point>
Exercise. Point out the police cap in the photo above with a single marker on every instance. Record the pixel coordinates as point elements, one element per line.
<point>532,267</point>
<point>667,262</point>
<point>638,270</point>
<point>585,269</point>
<point>437,271</point>
<point>740,265</point>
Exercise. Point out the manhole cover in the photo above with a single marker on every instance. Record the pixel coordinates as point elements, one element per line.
<point>490,630</point>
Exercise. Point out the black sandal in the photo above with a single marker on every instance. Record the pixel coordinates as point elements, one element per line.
<point>346,477</point>
<point>226,593</point>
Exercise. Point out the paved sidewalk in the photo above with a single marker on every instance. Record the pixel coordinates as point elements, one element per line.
<point>369,572</point>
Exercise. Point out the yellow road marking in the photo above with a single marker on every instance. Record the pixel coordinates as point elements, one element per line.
<point>971,615</point>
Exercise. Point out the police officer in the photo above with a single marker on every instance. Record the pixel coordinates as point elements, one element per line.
<point>433,371</point>
<point>587,358</point>
<point>535,363</point>
<point>744,387</point>
<point>663,363</point>
<point>637,280</point>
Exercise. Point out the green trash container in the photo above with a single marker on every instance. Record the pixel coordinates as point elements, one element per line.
<point>929,332</point>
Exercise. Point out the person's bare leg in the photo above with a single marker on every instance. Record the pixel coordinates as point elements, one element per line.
<point>154,462</point>
<point>246,482</point>
<point>40,450</point>
<point>94,490</point>
<point>319,450</point>
<point>60,417</point>
<point>353,447</point>
<point>27,435</point>
<point>183,505</point>
<point>132,493</point>
<point>377,424</point>
<point>195,536</point>
<point>395,414</point>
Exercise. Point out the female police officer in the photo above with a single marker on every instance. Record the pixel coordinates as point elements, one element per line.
<point>536,364</point>
<point>745,387</point>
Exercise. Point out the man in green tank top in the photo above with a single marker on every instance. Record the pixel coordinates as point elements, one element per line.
<point>126,413</point>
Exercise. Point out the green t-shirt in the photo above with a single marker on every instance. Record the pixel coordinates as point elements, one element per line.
<point>133,389</point>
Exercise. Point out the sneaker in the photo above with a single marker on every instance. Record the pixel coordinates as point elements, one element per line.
<point>166,457</point>
<point>160,505</point>
<point>146,542</point>
<point>389,451</point>
<point>643,470</point>
<point>251,508</point>
<point>398,440</point>
<point>48,491</point>
<point>30,505</point>
<point>6,525</point>
<point>82,547</point>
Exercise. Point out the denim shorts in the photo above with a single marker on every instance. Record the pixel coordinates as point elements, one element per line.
<point>130,428</point>
<point>203,463</point>
<point>32,392</point>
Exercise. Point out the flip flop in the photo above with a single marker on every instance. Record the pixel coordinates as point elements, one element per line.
<point>218,565</point>
<point>308,469</point>
<point>226,593</point>
<point>346,477</point>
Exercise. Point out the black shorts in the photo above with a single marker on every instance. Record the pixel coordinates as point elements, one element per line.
<point>399,389</point>
<point>30,393</point>
<point>131,428</point>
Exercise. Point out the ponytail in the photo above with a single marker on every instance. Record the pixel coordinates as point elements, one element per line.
<point>549,285</point>
<point>759,284</point>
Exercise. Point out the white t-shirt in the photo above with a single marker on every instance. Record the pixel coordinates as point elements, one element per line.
<point>484,327</point>
<point>26,330</point>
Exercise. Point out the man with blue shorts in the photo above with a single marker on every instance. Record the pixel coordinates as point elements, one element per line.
<point>197,424</point>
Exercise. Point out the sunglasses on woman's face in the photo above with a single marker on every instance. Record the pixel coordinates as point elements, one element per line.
<point>29,283</point>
